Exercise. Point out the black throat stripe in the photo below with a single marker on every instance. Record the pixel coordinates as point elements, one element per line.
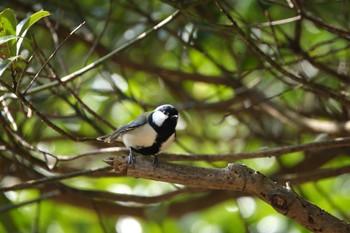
<point>154,149</point>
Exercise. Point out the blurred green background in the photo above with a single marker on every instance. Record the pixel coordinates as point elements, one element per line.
<point>281,79</point>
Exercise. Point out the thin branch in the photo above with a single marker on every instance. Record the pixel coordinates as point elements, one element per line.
<point>103,30</point>
<point>50,57</point>
<point>279,22</point>
<point>98,62</point>
<point>102,151</point>
<point>317,88</point>
<point>34,183</point>
<point>312,176</point>
<point>45,196</point>
<point>314,146</point>
<point>109,196</point>
<point>77,98</point>
<point>48,122</point>
<point>333,29</point>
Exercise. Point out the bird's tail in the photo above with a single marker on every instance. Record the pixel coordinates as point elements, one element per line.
<point>109,138</point>
<point>105,138</point>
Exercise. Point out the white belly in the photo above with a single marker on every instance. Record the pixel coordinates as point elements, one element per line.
<point>143,136</point>
<point>167,143</point>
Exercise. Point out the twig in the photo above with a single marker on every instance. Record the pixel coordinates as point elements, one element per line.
<point>45,196</point>
<point>106,57</point>
<point>279,22</point>
<point>312,176</point>
<point>314,146</point>
<point>315,87</point>
<point>103,30</point>
<point>48,122</point>
<point>103,151</point>
<point>50,57</point>
<point>108,196</point>
<point>33,183</point>
<point>333,29</point>
<point>77,98</point>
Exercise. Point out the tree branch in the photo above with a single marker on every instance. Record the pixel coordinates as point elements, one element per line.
<point>236,177</point>
<point>106,57</point>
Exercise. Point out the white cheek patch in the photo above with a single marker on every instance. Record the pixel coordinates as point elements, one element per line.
<point>158,118</point>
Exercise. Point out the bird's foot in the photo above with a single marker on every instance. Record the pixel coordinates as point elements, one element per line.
<point>155,161</point>
<point>131,158</point>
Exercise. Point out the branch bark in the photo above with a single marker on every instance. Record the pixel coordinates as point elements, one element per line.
<point>236,177</point>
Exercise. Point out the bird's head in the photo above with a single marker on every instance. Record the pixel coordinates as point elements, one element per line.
<point>164,117</point>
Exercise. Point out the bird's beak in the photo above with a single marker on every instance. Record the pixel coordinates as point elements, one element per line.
<point>175,116</point>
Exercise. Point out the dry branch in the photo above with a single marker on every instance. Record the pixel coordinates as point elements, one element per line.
<point>237,177</point>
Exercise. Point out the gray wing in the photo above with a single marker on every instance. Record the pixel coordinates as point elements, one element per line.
<point>141,120</point>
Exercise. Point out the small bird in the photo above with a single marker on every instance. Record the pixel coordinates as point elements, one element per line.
<point>149,134</point>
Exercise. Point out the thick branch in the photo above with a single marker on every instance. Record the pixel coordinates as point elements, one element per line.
<point>237,177</point>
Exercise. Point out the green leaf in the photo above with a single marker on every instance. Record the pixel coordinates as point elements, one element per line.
<point>7,23</point>
<point>5,39</point>
<point>6,63</point>
<point>25,24</point>
<point>5,48</point>
<point>7,29</point>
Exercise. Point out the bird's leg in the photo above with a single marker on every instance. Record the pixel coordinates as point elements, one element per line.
<point>131,157</point>
<point>155,161</point>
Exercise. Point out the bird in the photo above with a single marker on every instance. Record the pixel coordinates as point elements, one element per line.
<point>149,134</point>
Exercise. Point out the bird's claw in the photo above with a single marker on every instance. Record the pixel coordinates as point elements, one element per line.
<point>155,161</point>
<point>131,158</point>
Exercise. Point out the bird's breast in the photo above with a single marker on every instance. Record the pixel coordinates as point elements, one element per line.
<point>167,143</point>
<point>143,136</point>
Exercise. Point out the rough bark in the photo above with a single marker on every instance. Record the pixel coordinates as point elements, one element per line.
<point>237,177</point>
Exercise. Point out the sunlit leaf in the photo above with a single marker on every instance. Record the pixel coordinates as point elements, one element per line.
<point>5,39</point>
<point>25,24</point>
<point>7,23</point>
<point>7,33</point>
<point>6,63</point>
<point>5,48</point>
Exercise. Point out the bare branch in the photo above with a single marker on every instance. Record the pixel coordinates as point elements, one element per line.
<point>314,146</point>
<point>106,57</point>
<point>237,177</point>
<point>34,183</point>
<point>317,88</point>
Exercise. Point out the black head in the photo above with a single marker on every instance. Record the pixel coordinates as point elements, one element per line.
<point>164,119</point>
<point>168,110</point>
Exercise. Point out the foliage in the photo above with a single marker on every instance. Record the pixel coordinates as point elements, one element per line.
<point>246,76</point>
<point>13,34</point>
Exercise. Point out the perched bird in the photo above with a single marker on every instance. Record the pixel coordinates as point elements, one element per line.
<point>149,134</point>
